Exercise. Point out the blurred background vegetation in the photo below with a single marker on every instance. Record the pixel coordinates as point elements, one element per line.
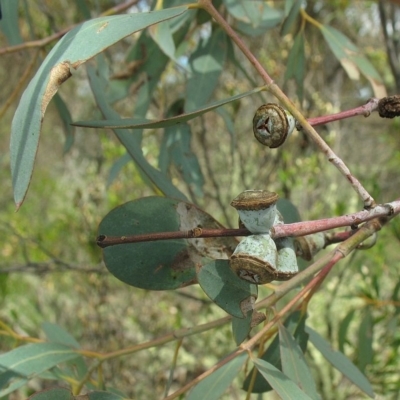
<point>51,269</point>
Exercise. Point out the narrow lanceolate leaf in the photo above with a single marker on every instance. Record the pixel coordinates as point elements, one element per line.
<point>66,119</point>
<point>294,324</point>
<point>56,334</point>
<point>206,65</point>
<point>352,60</point>
<point>67,55</point>
<point>294,364</point>
<point>9,23</point>
<point>20,365</point>
<point>291,16</point>
<point>141,123</point>
<point>212,387</point>
<point>340,362</point>
<point>365,337</point>
<point>296,63</point>
<point>234,295</point>
<point>283,386</point>
<point>343,328</point>
<point>253,17</point>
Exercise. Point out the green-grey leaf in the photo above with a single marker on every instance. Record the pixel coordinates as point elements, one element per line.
<point>365,352</point>
<point>289,211</point>
<point>68,54</point>
<point>283,386</point>
<point>56,334</point>
<point>66,119</point>
<point>343,328</point>
<point>291,16</point>
<point>166,264</point>
<point>116,168</point>
<point>162,35</point>
<point>25,362</point>
<point>206,65</point>
<point>340,362</point>
<point>241,327</point>
<point>131,142</point>
<point>294,324</point>
<point>212,387</point>
<point>53,394</point>
<point>349,55</point>
<point>9,23</point>
<point>294,364</point>
<point>139,123</point>
<point>234,295</point>
<point>253,17</point>
<point>176,149</point>
<point>296,63</point>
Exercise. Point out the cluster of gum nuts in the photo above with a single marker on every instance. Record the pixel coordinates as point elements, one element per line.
<point>258,258</point>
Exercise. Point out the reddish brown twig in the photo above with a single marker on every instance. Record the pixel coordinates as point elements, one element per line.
<point>294,230</point>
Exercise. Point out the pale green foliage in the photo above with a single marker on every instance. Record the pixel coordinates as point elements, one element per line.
<point>51,271</point>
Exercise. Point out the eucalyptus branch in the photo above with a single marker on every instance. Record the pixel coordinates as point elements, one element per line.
<point>274,89</point>
<point>325,263</point>
<point>295,229</point>
<point>388,107</point>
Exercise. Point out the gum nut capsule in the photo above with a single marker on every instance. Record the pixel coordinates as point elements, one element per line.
<point>287,262</point>
<point>307,246</point>
<point>272,125</point>
<point>257,209</point>
<point>255,259</point>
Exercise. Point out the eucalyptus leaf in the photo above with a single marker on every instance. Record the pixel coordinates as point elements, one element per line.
<point>295,324</point>
<point>343,328</point>
<point>23,363</point>
<point>294,364</point>
<point>176,149</point>
<point>340,362</point>
<point>9,23</point>
<point>166,264</point>
<point>234,295</point>
<point>206,65</point>
<point>141,123</point>
<point>56,334</point>
<point>66,119</point>
<point>351,58</point>
<point>212,387</point>
<point>296,63</point>
<point>291,16</point>
<point>365,352</point>
<point>241,327</point>
<point>283,386</point>
<point>67,55</point>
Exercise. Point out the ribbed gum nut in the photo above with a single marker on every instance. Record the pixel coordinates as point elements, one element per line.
<point>307,246</point>
<point>257,209</point>
<point>272,125</point>
<point>255,259</point>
